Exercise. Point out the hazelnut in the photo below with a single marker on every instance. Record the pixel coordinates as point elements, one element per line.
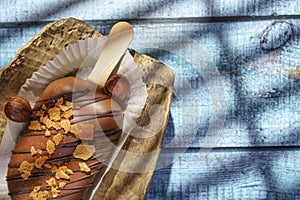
<point>118,86</point>
<point>17,109</point>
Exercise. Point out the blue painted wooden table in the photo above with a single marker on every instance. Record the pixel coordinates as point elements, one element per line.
<point>233,131</point>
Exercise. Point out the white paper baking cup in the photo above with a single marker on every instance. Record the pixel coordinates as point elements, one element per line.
<point>81,56</point>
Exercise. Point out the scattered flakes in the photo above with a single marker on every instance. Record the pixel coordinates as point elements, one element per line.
<point>47,122</point>
<point>34,193</point>
<point>48,165</point>
<point>40,152</point>
<point>44,107</point>
<point>59,174</point>
<point>84,151</point>
<point>47,133</point>
<point>63,172</point>
<point>69,104</point>
<point>50,146</point>
<point>33,151</point>
<point>57,125</point>
<point>63,108</point>
<point>25,169</point>
<point>67,114</point>
<point>42,195</point>
<point>59,102</point>
<point>55,192</point>
<point>35,125</point>
<point>39,162</point>
<point>54,114</point>
<point>84,167</point>
<point>38,194</point>
<point>51,182</point>
<point>39,113</point>
<point>66,125</point>
<point>57,138</point>
<point>83,131</point>
<point>69,171</point>
<point>62,184</point>
<point>54,169</point>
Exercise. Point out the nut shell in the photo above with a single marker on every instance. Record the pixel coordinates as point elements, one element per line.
<point>118,86</point>
<point>18,109</point>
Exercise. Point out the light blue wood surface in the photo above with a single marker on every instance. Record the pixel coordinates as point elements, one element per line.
<point>233,132</point>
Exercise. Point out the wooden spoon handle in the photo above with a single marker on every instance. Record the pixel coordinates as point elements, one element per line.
<point>118,40</point>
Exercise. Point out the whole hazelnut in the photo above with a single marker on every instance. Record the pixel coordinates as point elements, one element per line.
<point>118,86</point>
<point>17,109</point>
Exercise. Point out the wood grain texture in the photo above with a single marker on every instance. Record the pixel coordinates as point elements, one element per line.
<point>41,48</point>
<point>229,174</point>
<point>256,156</point>
<point>23,10</point>
<point>249,74</point>
<point>133,173</point>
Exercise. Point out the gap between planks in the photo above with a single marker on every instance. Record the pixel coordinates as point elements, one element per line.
<point>214,19</point>
<point>230,149</point>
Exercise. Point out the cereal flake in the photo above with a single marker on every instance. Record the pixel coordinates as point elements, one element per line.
<point>57,138</point>
<point>50,146</point>
<point>84,167</point>
<point>35,125</point>
<point>54,114</point>
<point>25,169</point>
<point>84,152</point>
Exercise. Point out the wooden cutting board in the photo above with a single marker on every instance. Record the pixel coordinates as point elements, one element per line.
<point>131,178</point>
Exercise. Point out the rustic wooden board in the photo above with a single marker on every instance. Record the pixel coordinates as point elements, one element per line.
<point>30,10</point>
<point>249,75</point>
<point>119,183</point>
<point>229,174</point>
<point>256,156</point>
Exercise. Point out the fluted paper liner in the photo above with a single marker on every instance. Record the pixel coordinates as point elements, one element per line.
<point>81,56</point>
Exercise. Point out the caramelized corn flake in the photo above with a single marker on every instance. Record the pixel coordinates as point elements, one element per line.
<point>67,114</point>
<point>62,184</point>
<point>50,146</point>
<point>60,174</point>
<point>39,113</point>
<point>69,104</point>
<point>25,169</point>
<point>42,195</point>
<point>84,152</point>
<point>55,192</point>
<point>39,162</point>
<point>57,138</point>
<point>47,122</point>
<point>51,182</point>
<point>59,102</point>
<point>47,165</point>
<point>54,169</point>
<point>54,114</point>
<point>84,167</point>
<point>66,125</point>
<point>34,193</point>
<point>47,133</point>
<point>57,125</point>
<point>33,151</point>
<point>35,125</point>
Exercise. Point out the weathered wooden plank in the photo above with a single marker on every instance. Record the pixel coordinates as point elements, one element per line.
<point>229,92</point>
<point>153,120</point>
<point>23,10</point>
<point>228,174</point>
